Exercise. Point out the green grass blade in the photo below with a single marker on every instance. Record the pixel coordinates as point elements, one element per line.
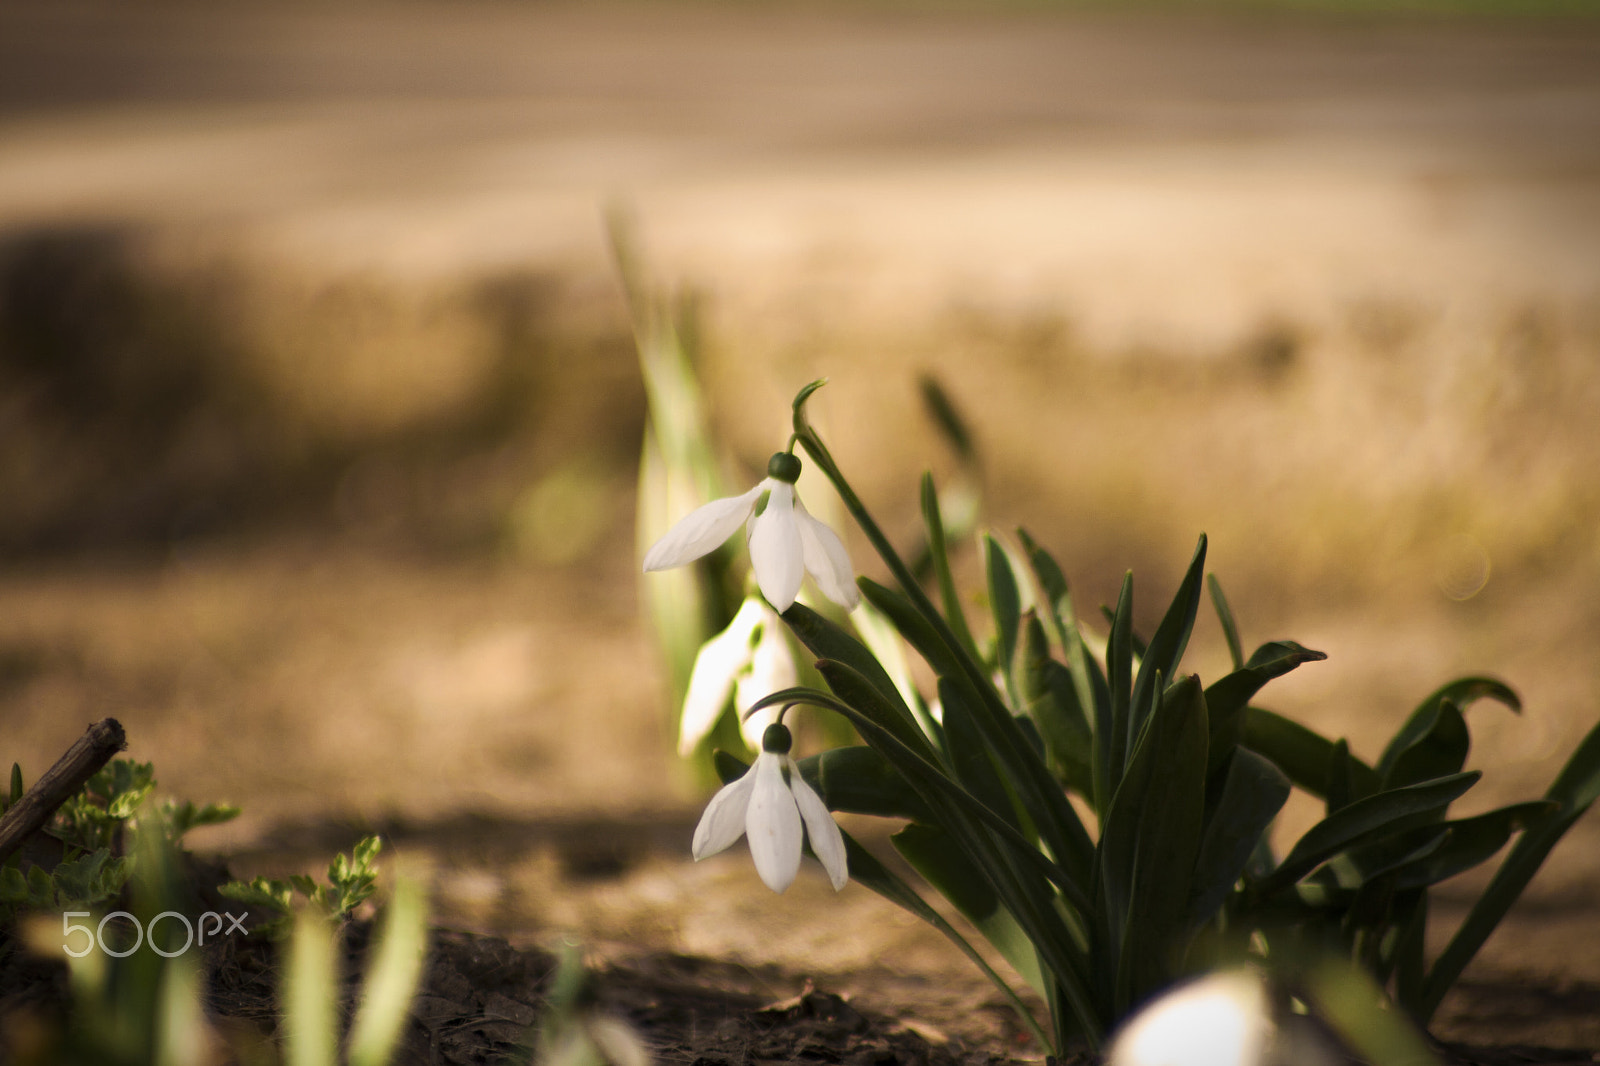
<point>311,993</point>
<point>392,977</point>
<point>939,555</point>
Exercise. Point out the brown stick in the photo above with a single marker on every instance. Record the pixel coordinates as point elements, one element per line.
<point>87,754</point>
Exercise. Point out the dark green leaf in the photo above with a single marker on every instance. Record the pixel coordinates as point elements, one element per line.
<point>1006,605</point>
<point>1405,844</point>
<point>1470,841</point>
<point>855,690</point>
<point>942,863</point>
<point>1057,822</point>
<point>917,630</point>
<point>970,755</point>
<point>1051,697</point>
<point>1166,648</point>
<point>1252,795</point>
<point>828,641</point>
<point>731,768</point>
<point>865,869</point>
<point>1053,583</point>
<point>1362,821</point>
<point>1439,748</point>
<point>1573,790</point>
<point>1113,744</point>
<point>939,555</point>
<point>1461,692</point>
<point>1299,752</point>
<point>951,425</point>
<point>1150,843</point>
<point>1406,959</point>
<point>1230,629</point>
<point>859,780</point>
<point>41,889</point>
<point>955,808</point>
<point>1337,791</point>
<point>1227,697</point>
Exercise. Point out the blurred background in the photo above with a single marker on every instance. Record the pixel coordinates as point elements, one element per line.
<point>320,413</point>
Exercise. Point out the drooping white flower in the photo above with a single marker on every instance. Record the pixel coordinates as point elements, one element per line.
<point>773,806</point>
<point>752,659</point>
<point>785,542</point>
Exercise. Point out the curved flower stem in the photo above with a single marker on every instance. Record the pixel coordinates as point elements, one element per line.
<point>1060,826</point>
<point>1063,830</point>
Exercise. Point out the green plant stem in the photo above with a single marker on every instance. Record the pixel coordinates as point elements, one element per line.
<point>1065,832</point>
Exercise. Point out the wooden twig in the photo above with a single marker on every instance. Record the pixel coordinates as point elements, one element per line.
<point>87,754</point>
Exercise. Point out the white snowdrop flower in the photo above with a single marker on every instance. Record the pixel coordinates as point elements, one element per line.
<point>785,542</point>
<point>752,659</point>
<point>777,810</point>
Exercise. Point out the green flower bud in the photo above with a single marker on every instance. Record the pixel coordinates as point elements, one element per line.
<point>785,467</point>
<point>777,739</point>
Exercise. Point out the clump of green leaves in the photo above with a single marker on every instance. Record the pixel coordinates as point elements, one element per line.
<point>92,827</point>
<point>1182,782</point>
<point>351,879</point>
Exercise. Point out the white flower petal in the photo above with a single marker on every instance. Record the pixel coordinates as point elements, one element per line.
<point>771,670</point>
<point>724,819</point>
<point>826,559</point>
<point>775,548</point>
<point>823,832</point>
<point>700,531</point>
<point>719,661</point>
<point>773,824</point>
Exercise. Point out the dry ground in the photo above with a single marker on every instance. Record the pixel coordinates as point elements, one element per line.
<point>318,412</point>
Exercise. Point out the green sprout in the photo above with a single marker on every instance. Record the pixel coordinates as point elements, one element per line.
<point>351,880</point>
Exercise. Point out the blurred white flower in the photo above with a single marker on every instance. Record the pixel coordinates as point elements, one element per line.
<point>1219,1020</point>
<point>778,811</point>
<point>751,658</point>
<point>785,542</point>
